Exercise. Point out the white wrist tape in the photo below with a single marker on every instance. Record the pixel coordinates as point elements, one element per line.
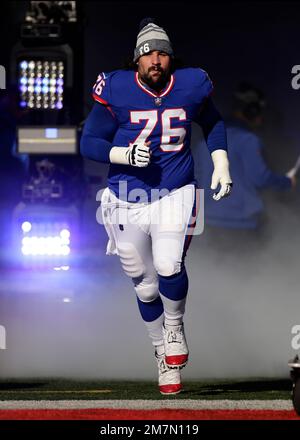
<point>119,155</point>
<point>135,155</point>
<point>220,159</point>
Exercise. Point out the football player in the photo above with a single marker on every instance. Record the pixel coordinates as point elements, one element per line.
<point>141,125</point>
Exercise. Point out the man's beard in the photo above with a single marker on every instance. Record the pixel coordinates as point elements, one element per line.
<point>158,84</point>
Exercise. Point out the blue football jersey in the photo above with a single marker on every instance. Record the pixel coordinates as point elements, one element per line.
<point>164,119</point>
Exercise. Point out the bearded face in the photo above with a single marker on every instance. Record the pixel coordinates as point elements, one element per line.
<point>154,69</point>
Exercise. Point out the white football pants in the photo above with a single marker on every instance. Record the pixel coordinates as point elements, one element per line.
<point>148,236</point>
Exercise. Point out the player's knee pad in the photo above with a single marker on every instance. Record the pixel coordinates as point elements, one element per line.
<point>131,260</point>
<point>166,266</point>
<point>147,291</point>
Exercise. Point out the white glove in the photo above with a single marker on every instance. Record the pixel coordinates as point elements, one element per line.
<point>293,171</point>
<point>221,174</point>
<point>137,155</point>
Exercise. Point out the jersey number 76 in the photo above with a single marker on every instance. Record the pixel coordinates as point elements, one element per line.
<point>151,116</point>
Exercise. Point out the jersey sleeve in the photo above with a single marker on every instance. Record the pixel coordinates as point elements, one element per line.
<point>102,89</point>
<point>213,126</point>
<point>98,133</point>
<point>204,85</point>
<point>199,85</point>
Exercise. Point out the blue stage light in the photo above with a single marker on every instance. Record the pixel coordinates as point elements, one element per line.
<point>41,77</point>
<point>24,65</point>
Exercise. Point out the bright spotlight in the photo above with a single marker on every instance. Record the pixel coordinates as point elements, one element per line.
<point>26,226</point>
<point>65,233</point>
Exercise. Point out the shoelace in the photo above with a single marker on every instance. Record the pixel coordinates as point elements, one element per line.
<point>162,365</point>
<point>174,337</point>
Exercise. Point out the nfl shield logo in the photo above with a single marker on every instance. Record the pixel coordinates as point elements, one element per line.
<point>157,101</point>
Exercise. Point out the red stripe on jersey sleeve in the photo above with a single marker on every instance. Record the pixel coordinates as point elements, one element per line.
<point>96,97</point>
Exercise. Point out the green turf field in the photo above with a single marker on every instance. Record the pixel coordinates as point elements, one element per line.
<point>48,389</point>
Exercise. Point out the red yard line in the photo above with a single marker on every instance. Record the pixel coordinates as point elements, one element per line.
<point>126,414</point>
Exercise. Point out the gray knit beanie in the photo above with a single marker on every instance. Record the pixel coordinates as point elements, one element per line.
<point>151,37</point>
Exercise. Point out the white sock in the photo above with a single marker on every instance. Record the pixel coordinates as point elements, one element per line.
<point>155,330</point>
<point>169,323</point>
<point>173,311</point>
